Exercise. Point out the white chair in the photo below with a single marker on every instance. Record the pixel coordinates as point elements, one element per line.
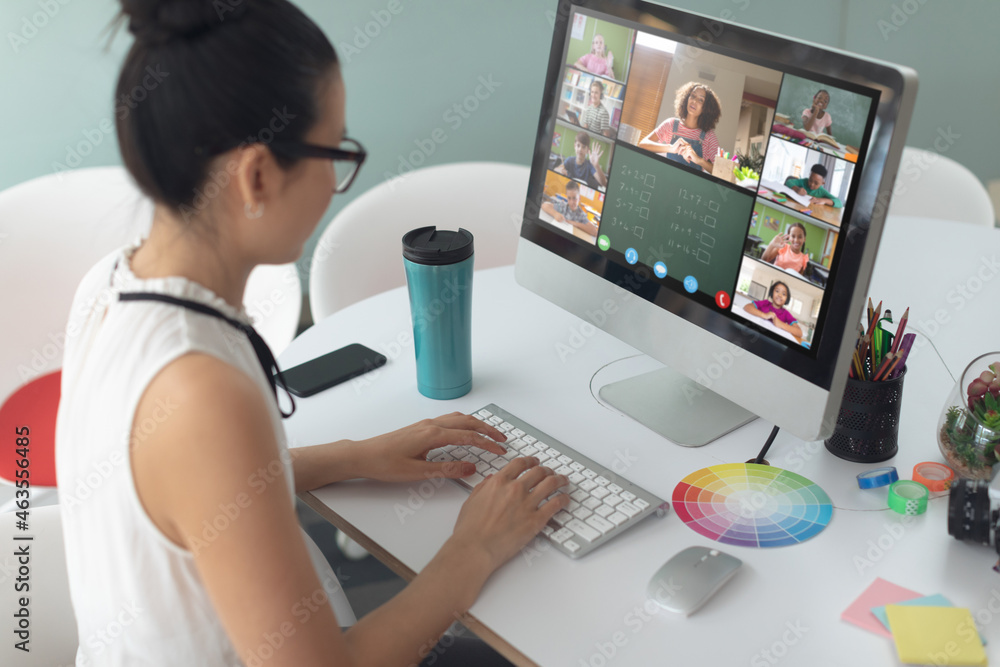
<point>273,300</point>
<point>53,634</point>
<point>934,186</point>
<point>360,252</point>
<point>52,230</point>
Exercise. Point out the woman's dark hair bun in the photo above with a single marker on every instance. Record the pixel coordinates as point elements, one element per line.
<point>233,72</point>
<point>160,21</point>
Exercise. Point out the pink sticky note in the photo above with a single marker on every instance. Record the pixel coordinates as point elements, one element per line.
<point>881,592</point>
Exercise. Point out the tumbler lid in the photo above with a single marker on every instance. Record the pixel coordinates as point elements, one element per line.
<point>429,245</point>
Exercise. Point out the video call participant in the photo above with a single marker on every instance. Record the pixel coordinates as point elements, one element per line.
<point>816,118</point>
<point>598,61</point>
<point>594,116</point>
<point>689,137</point>
<point>585,165</point>
<point>813,186</point>
<point>570,210</point>
<point>785,250</point>
<point>773,310</point>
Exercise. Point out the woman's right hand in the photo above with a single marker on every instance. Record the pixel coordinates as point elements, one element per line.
<point>502,514</point>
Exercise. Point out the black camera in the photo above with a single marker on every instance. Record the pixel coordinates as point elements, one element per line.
<point>974,511</point>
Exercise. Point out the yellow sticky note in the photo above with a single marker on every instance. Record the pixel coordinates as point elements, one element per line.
<point>935,635</point>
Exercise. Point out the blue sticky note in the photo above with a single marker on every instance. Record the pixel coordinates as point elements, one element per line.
<point>928,601</point>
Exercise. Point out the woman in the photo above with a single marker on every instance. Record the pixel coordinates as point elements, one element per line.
<point>689,137</point>
<point>165,383</point>
<point>773,310</point>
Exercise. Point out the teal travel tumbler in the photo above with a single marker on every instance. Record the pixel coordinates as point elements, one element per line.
<point>439,278</point>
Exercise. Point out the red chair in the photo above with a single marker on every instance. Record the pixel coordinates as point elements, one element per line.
<point>52,230</point>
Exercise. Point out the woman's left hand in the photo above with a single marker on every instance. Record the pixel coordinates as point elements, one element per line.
<point>401,456</point>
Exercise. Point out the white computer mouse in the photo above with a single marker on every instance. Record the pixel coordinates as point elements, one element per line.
<point>685,582</point>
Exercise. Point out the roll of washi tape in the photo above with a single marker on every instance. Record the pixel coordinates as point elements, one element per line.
<point>871,479</point>
<point>908,497</point>
<point>935,476</point>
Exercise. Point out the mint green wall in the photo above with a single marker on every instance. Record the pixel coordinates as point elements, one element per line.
<point>616,40</point>
<point>402,83</point>
<point>566,148</point>
<point>815,236</point>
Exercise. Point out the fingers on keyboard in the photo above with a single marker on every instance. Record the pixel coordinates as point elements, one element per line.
<point>517,466</point>
<point>552,506</point>
<point>548,486</point>
<point>534,476</point>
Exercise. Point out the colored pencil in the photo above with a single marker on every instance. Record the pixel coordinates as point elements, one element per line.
<point>883,367</point>
<point>859,369</point>
<point>899,330</point>
<point>900,363</point>
<point>874,320</point>
<point>863,354</point>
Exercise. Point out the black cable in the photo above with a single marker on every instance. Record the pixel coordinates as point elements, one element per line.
<point>767,445</point>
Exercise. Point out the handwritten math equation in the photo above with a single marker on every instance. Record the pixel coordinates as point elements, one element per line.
<point>689,217</point>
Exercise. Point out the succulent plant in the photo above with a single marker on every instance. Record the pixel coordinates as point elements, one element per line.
<point>972,431</point>
<point>983,397</point>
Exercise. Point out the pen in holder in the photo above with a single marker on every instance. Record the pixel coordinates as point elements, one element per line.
<point>723,168</point>
<point>868,422</point>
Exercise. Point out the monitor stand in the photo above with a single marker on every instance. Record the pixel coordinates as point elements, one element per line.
<point>676,407</point>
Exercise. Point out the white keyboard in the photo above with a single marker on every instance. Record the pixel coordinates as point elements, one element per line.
<point>602,505</point>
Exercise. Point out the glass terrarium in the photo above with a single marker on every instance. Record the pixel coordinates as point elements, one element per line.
<point>969,428</point>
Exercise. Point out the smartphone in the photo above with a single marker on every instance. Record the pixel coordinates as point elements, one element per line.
<point>331,369</point>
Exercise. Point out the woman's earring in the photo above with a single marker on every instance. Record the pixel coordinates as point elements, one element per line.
<point>255,212</point>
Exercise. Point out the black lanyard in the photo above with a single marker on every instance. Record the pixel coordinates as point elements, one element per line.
<point>263,352</point>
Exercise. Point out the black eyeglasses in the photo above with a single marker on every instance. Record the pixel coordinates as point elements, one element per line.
<point>347,158</point>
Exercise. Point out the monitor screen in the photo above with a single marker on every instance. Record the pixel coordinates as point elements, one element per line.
<point>726,176</point>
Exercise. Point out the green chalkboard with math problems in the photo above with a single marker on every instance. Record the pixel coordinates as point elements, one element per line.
<point>691,223</point>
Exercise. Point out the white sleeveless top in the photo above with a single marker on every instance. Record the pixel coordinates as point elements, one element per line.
<point>137,596</point>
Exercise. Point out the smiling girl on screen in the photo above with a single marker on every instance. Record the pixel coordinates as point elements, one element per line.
<point>816,118</point>
<point>689,137</point>
<point>773,310</point>
<point>197,527</point>
<point>785,250</point>
<point>598,61</point>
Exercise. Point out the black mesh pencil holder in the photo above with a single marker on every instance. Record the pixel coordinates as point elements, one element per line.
<point>868,422</point>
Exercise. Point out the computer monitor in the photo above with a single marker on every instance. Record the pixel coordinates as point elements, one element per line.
<point>712,195</point>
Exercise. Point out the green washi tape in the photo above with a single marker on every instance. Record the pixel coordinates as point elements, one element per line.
<point>906,497</point>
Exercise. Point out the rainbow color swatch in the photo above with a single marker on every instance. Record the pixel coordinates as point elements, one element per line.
<point>752,505</point>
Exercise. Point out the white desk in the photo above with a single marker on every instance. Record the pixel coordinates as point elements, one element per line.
<point>569,228</point>
<point>553,611</point>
